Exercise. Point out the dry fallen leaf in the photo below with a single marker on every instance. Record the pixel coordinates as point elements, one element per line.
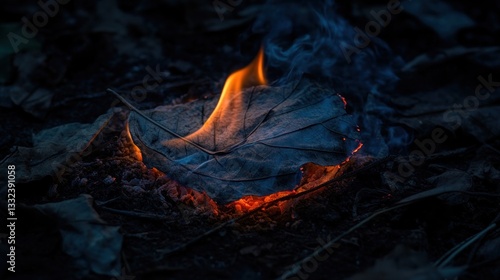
<point>253,150</point>
<point>427,110</point>
<point>403,263</point>
<point>442,17</point>
<point>453,180</point>
<point>93,245</point>
<point>54,151</point>
<point>446,183</point>
<point>36,103</point>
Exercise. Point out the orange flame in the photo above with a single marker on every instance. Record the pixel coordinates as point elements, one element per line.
<point>251,75</point>
<point>135,151</point>
<point>230,105</point>
<point>230,101</point>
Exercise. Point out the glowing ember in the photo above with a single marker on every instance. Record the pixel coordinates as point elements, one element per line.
<point>313,177</point>
<point>360,145</point>
<point>343,100</point>
<point>251,202</point>
<point>358,148</point>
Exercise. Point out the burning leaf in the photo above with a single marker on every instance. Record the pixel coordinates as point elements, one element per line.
<point>255,140</point>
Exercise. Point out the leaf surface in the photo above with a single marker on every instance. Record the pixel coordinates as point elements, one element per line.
<point>254,146</point>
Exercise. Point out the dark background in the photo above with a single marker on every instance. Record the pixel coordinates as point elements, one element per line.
<point>425,60</point>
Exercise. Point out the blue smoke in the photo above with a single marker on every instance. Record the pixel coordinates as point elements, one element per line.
<point>307,38</point>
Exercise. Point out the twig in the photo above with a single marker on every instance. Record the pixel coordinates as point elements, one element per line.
<point>459,151</point>
<point>480,193</point>
<point>492,148</point>
<point>102,203</point>
<point>295,268</point>
<point>164,86</point>
<point>483,263</point>
<point>184,246</point>
<point>357,198</point>
<point>159,125</point>
<point>148,216</point>
<point>73,98</point>
<point>16,149</point>
<point>453,252</point>
<point>125,262</point>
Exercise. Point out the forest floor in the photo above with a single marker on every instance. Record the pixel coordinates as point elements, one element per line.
<point>361,224</point>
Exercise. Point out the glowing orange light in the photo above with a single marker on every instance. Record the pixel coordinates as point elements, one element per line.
<point>251,202</point>
<point>230,101</point>
<point>251,75</point>
<point>230,106</point>
<point>343,100</point>
<point>360,145</point>
<point>135,150</point>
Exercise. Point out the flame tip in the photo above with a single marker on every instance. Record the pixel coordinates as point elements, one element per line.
<point>230,98</point>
